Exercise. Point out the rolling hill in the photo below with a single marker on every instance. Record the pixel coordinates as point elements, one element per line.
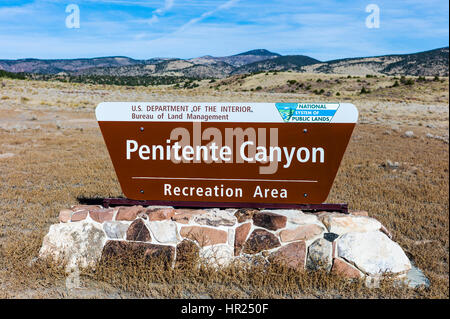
<point>63,65</point>
<point>427,63</point>
<point>432,62</point>
<point>281,63</point>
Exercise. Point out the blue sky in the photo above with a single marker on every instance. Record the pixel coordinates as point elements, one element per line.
<point>174,28</point>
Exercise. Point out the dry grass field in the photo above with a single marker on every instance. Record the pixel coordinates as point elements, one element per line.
<point>52,153</point>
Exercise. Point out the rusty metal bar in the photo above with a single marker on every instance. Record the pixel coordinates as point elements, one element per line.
<point>342,208</point>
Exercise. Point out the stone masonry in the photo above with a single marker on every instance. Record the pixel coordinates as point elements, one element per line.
<point>350,245</point>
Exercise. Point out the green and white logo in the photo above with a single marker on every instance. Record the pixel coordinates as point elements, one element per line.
<point>307,112</point>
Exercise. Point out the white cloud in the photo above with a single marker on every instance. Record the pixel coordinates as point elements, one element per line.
<point>223,6</point>
<point>11,12</point>
<point>152,20</point>
<point>168,4</point>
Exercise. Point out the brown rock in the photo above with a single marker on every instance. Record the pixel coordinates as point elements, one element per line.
<point>269,220</point>
<point>292,255</point>
<point>240,237</point>
<point>128,213</point>
<point>183,216</point>
<point>142,215</point>
<point>204,236</point>
<point>102,215</point>
<point>303,232</point>
<point>166,253</point>
<point>187,254</point>
<point>79,215</point>
<point>244,214</point>
<point>65,215</point>
<point>260,240</point>
<point>138,231</point>
<point>124,252</point>
<point>344,269</point>
<point>160,214</point>
<point>359,213</point>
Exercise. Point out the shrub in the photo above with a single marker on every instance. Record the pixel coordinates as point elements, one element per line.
<point>364,91</point>
<point>319,92</point>
<point>409,82</point>
<point>421,79</point>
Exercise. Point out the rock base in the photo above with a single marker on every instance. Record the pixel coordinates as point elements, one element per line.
<point>350,245</point>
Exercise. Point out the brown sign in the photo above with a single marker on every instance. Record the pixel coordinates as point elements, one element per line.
<point>286,153</point>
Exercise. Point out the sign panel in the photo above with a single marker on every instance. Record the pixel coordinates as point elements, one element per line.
<point>286,153</point>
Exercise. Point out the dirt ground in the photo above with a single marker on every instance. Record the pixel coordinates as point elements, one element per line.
<point>52,153</point>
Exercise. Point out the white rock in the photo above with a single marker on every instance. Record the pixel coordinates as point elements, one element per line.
<point>231,210</point>
<point>115,229</point>
<point>157,207</point>
<point>416,278</point>
<point>217,255</point>
<point>373,253</point>
<point>409,134</point>
<point>296,216</point>
<point>391,164</point>
<point>216,217</point>
<point>231,237</point>
<point>74,244</point>
<point>164,231</point>
<point>6,155</point>
<point>372,282</point>
<point>343,223</point>
<point>73,278</point>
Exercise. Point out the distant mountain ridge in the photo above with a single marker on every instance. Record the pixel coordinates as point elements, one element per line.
<point>426,63</point>
<point>260,52</point>
<point>280,63</point>
<point>432,62</point>
<point>63,65</point>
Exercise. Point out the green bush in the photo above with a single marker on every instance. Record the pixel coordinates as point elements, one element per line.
<point>364,90</point>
